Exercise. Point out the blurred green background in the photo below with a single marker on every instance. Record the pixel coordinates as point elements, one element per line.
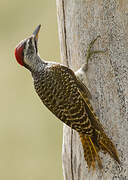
<point>30,136</point>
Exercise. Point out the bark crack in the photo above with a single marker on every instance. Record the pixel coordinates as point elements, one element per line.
<point>72,155</point>
<point>65,34</point>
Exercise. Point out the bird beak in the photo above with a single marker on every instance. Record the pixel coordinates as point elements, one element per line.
<point>36,32</point>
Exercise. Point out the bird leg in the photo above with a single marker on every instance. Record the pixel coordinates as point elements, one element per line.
<point>91,52</point>
<point>81,73</point>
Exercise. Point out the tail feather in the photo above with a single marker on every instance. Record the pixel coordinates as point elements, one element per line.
<point>90,152</point>
<point>96,154</point>
<point>93,144</point>
<point>107,146</point>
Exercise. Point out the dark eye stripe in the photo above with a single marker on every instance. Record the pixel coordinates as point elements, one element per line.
<point>36,46</point>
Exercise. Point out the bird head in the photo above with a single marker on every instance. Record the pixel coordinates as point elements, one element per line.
<point>26,50</point>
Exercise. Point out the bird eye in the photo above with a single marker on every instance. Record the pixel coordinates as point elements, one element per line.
<point>30,41</point>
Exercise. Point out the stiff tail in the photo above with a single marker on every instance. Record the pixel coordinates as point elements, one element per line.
<point>93,144</point>
<point>107,146</point>
<point>90,151</point>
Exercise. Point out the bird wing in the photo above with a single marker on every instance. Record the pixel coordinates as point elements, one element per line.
<point>84,93</point>
<point>77,103</point>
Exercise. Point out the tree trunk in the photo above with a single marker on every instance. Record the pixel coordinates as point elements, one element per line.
<point>80,21</point>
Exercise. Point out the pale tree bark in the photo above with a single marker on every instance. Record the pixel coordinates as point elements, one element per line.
<point>79,22</point>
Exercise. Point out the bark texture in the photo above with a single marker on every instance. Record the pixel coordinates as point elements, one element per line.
<point>79,22</point>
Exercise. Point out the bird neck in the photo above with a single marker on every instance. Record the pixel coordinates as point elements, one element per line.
<point>36,64</point>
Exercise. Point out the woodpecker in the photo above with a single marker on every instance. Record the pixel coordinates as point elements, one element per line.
<point>62,92</point>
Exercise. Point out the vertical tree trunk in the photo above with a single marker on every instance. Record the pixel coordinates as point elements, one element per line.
<point>80,21</point>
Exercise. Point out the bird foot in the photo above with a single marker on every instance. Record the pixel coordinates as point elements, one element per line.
<point>91,52</point>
